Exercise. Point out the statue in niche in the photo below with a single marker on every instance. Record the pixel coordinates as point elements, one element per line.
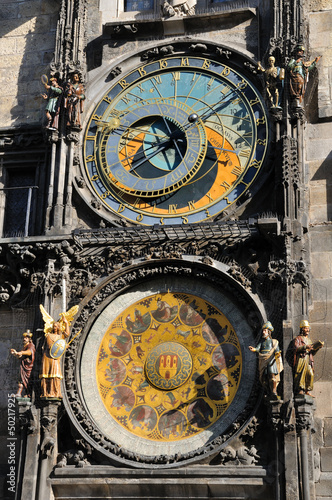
<point>178,8</point>
<point>74,101</point>
<point>56,333</point>
<point>269,362</point>
<point>53,98</point>
<point>303,364</point>
<point>274,81</point>
<point>299,74</point>
<point>27,357</point>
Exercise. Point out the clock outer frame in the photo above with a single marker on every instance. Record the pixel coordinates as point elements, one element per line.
<point>239,63</point>
<point>112,289</point>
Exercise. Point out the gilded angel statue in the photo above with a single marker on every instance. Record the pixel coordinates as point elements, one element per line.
<point>56,333</point>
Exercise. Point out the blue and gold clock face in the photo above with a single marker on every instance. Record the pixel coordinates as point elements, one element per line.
<point>177,140</point>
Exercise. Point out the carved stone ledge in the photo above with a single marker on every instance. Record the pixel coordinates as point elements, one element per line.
<point>27,415</point>
<point>304,407</point>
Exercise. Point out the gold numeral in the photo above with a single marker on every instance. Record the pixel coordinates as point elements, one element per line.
<point>260,121</point>
<point>261,142</point>
<point>124,84</point>
<point>225,90</point>
<point>225,185</point>
<point>172,209</point>
<point>206,64</point>
<point>139,218</point>
<point>210,82</point>
<point>245,153</point>
<point>185,61</point>
<point>142,71</point>
<point>256,164</point>
<point>236,171</point>
<point>90,158</point>
<point>157,79</point>
<point>163,63</point>
<point>242,85</point>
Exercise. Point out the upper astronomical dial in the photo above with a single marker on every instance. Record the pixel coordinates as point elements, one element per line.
<point>176,140</point>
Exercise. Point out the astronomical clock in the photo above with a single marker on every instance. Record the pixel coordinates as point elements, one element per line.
<point>164,374</point>
<point>177,140</point>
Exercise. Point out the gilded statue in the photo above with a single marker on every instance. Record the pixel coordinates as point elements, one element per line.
<point>303,362</point>
<point>56,333</point>
<point>274,81</point>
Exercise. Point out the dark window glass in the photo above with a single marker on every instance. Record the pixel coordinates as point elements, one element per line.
<point>17,217</point>
<point>138,5</point>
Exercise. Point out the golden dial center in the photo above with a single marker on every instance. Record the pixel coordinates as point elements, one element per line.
<point>168,365</point>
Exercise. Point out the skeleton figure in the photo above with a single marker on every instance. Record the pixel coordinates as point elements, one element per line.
<point>274,80</point>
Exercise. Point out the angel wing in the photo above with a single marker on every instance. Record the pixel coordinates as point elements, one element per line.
<point>69,315</point>
<point>48,320</point>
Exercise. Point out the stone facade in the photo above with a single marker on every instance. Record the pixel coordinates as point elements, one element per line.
<point>269,254</point>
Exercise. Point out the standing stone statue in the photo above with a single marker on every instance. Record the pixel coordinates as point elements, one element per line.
<point>304,351</point>
<point>74,101</point>
<point>27,357</point>
<point>269,361</point>
<point>298,71</point>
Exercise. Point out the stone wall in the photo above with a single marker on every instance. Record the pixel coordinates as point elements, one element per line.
<point>319,158</point>
<point>27,36</point>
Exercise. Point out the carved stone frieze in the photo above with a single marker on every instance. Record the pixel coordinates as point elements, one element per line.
<point>158,51</point>
<point>69,54</point>
<point>27,416</point>
<point>290,272</point>
<point>304,407</point>
<point>49,420</point>
<point>114,73</point>
<point>223,52</point>
<point>238,456</point>
<point>72,457</point>
<point>290,173</point>
<point>251,67</point>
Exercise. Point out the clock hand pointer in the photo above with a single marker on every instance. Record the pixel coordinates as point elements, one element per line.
<point>148,157</point>
<point>236,151</point>
<point>210,110</point>
<point>171,135</point>
<point>147,132</point>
